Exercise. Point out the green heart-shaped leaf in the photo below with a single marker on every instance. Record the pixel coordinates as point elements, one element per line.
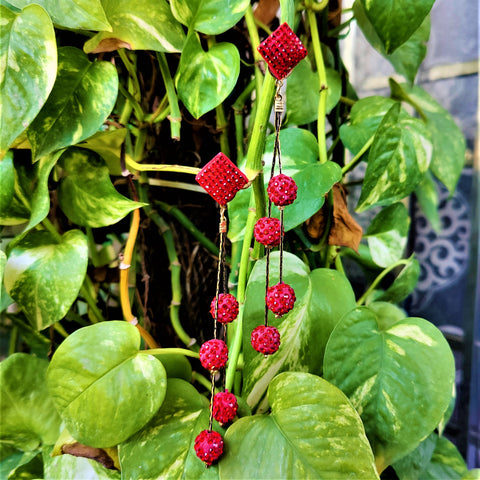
<point>388,234</point>
<point>44,275</point>
<point>82,14</point>
<point>395,21</point>
<point>323,297</point>
<point>104,388</point>
<point>28,415</point>
<point>312,432</point>
<point>448,156</point>
<point>164,448</point>
<point>205,79</point>
<point>427,197</point>
<point>145,25</point>
<point>407,58</point>
<point>299,160</point>
<point>86,193</point>
<point>404,284</point>
<point>398,374</point>
<point>82,97</point>
<point>28,66</point>
<point>209,16</point>
<point>398,159</point>
<point>303,93</point>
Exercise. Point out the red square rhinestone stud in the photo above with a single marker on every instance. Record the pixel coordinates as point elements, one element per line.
<point>282,50</point>
<point>221,179</point>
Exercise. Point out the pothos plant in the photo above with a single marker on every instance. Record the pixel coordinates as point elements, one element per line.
<point>100,97</point>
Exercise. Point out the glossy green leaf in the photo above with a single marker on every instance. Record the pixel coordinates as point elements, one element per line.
<point>473,474</point>
<point>323,296</point>
<point>11,460</point>
<point>209,16</point>
<point>29,418</point>
<point>108,145</point>
<point>365,117</point>
<point>395,21</point>
<point>7,174</point>
<point>177,366</point>
<point>311,432</point>
<point>82,98</point>
<point>387,234</point>
<point>164,448</point>
<point>427,197</point>
<point>62,467</point>
<point>205,79</point>
<point>81,14</point>
<point>86,193</point>
<point>3,262</point>
<point>103,387</point>
<point>28,66</point>
<point>448,141</point>
<point>412,465</point>
<point>303,93</point>
<point>407,58</point>
<point>404,284</point>
<point>138,25</point>
<point>398,159</point>
<point>44,275</point>
<point>299,160</point>
<point>398,374</point>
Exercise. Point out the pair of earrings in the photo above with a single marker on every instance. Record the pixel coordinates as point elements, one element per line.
<point>282,50</point>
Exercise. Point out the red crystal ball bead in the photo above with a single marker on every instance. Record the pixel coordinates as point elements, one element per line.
<point>213,354</point>
<point>221,179</point>
<point>267,231</point>
<point>265,339</point>
<point>224,407</point>
<point>282,50</point>
<point>280,299</point>
<point>208,446</point>
<point>227,310</point>
<point>282,190</point>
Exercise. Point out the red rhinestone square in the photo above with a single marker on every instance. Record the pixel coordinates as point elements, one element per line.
<point>282,51</point>
<point>221,179</point>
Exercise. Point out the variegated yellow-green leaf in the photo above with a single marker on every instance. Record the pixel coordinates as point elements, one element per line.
<point>28,66</point>
<point>205,79</point>
<point>81,99</point>
<point>387,234</point>
<point>81,14</point>
<point>138,25</point>
<point>323,297</point>
<point>312,432</point>
<point>209,16</point>
<point>398,159</point>
<point>104,388</point>
<point>7,174</point>
<point>44,274</point>
<point>86,193</point>
<point>29,418</point>
<point>396,20</point>
<point>164,448</point>
<point>398,374</point>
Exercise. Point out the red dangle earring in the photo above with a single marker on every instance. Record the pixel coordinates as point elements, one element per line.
<point>221,179</point>
<point>282,51</point>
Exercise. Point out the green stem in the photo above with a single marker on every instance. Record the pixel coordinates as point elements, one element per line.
<point>12,344</point>
<point>92,248</point>
<point>358,156</point>
<point>379,278</point>
<point>198,377</point>
<point>175,116</point>
<point>171,351</point>
<point>222,127</point>
<point>255,41</point>
<point>130,98</point>
<point>347,101</point>
<point>322,79</point>
<point>132,72</point>
<point>190,227</point>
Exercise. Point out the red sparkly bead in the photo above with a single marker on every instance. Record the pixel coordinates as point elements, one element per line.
<point>224,407</point>
<point>208,446</point>
<point>282,190</point>
<point>267,231</point>
<point>280,299</point>
<point>265,340</point>
<point>282,51</point>
<point>221,179</point>
<point>213,354</point>
<point>227,308</point>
